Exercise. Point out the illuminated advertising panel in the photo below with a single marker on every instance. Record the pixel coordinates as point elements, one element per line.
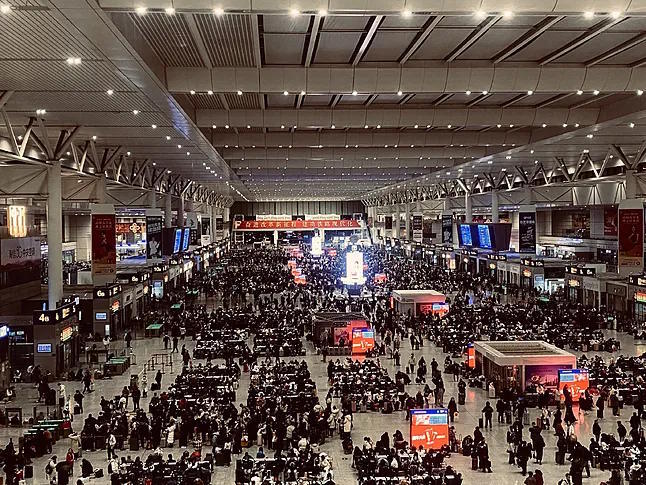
<point>465,235</point>
<point>429,428</point>
<point>363,340</point>
<point>178,241</point>
<point>576,380</point>
<point>471,356</point>
<point>354,268</point>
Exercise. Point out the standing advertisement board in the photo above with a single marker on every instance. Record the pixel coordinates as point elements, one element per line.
<point>447,229</point>
<point>429,428</point>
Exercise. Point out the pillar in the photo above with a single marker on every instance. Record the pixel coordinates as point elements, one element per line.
<point>276,237</point>
<point>396,220</point>
<point>495,213</point>
<point>54,235</point>
<point>181,212</point>
<point>152,199</point>
<point>212,217</point>
<point>407,221</point>
<point>226,215</point>
<point>468,208</point>
<point>101,189</point>
<point>631,184</point>
<point>168,211</point>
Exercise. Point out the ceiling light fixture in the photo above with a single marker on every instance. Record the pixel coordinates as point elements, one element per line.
<point>615,14</point>
<point>588,15</point>
<point>5,9</point>
<point>239,92</point>
<point>294,13</point>
<point>480,14</point>
<point>73,61</point>
<point>406,13</point>
<point>579,92</point>
<point>153,126</point>
<point>192,91</point>
<point>399,93</point>
<point>93,137</point>
<point>595,92</point>
<point>544,125</point>
<point>109,92</point>
<point>354,93</point>
<point>530,92</point>
<point>632,125</point>
<point>285,93</point>
<point>168,137</point>
<point>485,92</point>
<point>169,11</point>
<point>141,10</point>
<point>135,112</point>
<point>508,14</point>
<point>218,11</point>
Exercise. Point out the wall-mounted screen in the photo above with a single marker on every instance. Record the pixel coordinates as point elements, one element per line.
<point>177,244</point>
<point>44,348</point>
<point>484,236</point>
<point>100,316</point>
<point>186,238</point>
<point>465,235</point>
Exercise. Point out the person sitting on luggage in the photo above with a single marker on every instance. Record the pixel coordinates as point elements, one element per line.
<point>86,468</point>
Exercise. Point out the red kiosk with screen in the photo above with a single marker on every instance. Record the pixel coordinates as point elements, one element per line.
<point>577,381</point>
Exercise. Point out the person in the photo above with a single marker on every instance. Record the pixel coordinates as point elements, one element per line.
<point>453,408</point>
<point>166,340</point>
<point>50,468</point>
<point>158,378</point>
<point>86,468</point>
<point>530,480</point>
<point>621,432</point>
<point>144,386</point>
<point>524,452</point>
<point>487,412</point>
<point>78,399</point>
<point>600,406</point>
<point>136,396</point>
<point>111,443</point>
<point>538,444</point>
<point>128,338</point>
<point>596,430</point>
<point>87,381</point>
<point>538,477</point>
<point>175,343</point>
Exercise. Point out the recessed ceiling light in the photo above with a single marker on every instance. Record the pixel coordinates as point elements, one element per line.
<point>294,12</point>
<point>564,125</point>
<point>109,92</point>
<point>615,14</point>
<point>530,92</point>
<point>73,61</point>
<point>169,11</point>
<point>179,146</point>
<point>416,126</point>
<point>322,13</point>
<point>631,124</point>
<point>168,171</point>
<point>485,92</point>
<point>498,125</point>
<point>218,11</point>
<point>285,93</point>
<point>480,14</point>
<point>239,93</point>
<point>141,10</point>
<point>595,92</point>
<point>576,125</point>
<point>5,9</point>
<point>531,151</point>
<point>640,92</point>
<point>93,137</point>
<point>508,14</point>
<point>449,126</point>
<point>128,153</point>
<point>248,127</point>
<point>303,93</point>
<point>354,93</point>
<point>579,92</point>
<point>188,153</point>
<point>378,126</point>
<point>399,93</point>
<point>406,13</point>
<point>167,137</point>
<point>135,112</point>
<point>590,135</point>
<point>468,93</point>
<point>588,15</point>
<point>192,91</point>
<point>333,127</point>
<point>544,125</point>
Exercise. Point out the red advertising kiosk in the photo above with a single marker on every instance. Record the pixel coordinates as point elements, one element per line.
<point>429,428</point>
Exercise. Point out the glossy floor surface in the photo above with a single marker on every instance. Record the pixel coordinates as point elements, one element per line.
<point>365,424</point>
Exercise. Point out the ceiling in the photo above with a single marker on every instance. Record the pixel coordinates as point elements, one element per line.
<point>326,100</point>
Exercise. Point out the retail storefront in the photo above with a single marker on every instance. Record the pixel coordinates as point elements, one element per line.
<point>56,338</point>
<point>107,310</point>
<point>637,295</point>
<point>532,273</point>
<point>159,280</point>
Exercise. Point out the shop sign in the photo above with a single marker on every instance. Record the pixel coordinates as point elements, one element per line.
<point>574,283</point>
<point>45,317</point>
<point>17,220</point>
<point>580,271</point>
<point>67,333</point>
<point>160,268</point>
<point>107,292</point>
<point>115,306</point>
<point>497,257</point>
<point>640,296</point>
<point>534,263</point>
<point>637,280</point>
<point>527,273</point>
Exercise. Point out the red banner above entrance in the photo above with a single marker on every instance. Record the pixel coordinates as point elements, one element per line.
<point>295,225</point>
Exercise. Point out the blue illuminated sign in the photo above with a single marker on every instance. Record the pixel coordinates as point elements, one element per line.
<point>484,236</point>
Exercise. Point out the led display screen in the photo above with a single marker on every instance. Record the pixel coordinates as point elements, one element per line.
<point>465,235</point>
<point>429,428</point>
<point>484,236</point>
<point>178,241</point>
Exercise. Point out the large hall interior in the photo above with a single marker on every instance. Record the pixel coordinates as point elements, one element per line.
<point>322,242</point>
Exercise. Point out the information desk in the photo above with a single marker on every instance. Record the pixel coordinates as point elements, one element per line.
<point>522,365</point>
<point>419,302</point>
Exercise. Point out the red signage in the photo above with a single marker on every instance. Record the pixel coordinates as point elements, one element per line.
<point>610,222</point>
<point>471,356</point>
<point>429,428</point>
<point>576,380</point>
<point>288,225</point>
<point>363,340</point>
<point>104,252</point>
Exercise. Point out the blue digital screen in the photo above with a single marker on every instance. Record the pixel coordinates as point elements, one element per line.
<point>44,348</point>
<point>178,240</point>
<point>434,416</point>
<point>100,316</point>
<point>465,235</point>
<point>187,238</point>
<point>484,236</point>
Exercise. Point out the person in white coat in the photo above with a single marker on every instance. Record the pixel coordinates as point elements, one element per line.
<point>170,437</point>
<point>347,425</point>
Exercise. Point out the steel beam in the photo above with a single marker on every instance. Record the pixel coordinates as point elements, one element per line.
<point>473,37</point>
<point>367,38</point>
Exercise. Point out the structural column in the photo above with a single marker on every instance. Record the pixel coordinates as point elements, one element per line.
<point>396,221</point>
<point>180,212</point>
<point>54,235</point>
<point>407,221</point>
<point>468,208</point>
<point>495,214</point>
<point>168,211</point>
<point>631,184</point>
<point>101,184</point>
<point>152,202</point>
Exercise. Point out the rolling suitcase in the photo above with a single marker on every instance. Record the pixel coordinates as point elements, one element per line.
<point>480,422</point>
<point>474,462</point>
<point>77,409</point>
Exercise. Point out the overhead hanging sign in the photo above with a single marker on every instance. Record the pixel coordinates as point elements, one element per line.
<point>527,232</point>
<point>293,225</point>
<point>631,236</point>
<point>447,229</point>
<point>154,225</point>
<point>17,220</point>
<point>104,252</point>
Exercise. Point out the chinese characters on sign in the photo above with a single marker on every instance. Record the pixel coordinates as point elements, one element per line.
<point>318,224</point>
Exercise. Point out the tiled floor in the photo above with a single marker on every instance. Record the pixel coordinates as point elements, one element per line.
<point>368,424</point>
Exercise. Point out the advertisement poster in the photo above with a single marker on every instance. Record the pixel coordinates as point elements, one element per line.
<point>354,269</point>
<point>447,229</point>
<point>219,228</point>
<point>104,252</point>
<point>418,228</point>
<point>631,236</point>
<point>576,380</point>
<point>193,222</point>
<point>527,232</point>
<point>610,221</point>
<point>545,375</point>
<point>363,340</point>
<point>388,223</point>
<point>154,225</point>
<point>471,356</point>
<point>317,246</point>
<point>429,428</point>
<point>19,261</point>
<point>341,334</point>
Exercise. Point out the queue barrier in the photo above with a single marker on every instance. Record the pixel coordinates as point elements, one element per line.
<point>161,362</point>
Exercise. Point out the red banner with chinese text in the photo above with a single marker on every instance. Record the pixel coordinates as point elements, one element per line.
<point>291,225</point>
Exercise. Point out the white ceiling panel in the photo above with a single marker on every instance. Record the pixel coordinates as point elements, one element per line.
<point>336,47</point>
<point>284,48</point>
<point>440,43</point>
<point>386,46</point>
